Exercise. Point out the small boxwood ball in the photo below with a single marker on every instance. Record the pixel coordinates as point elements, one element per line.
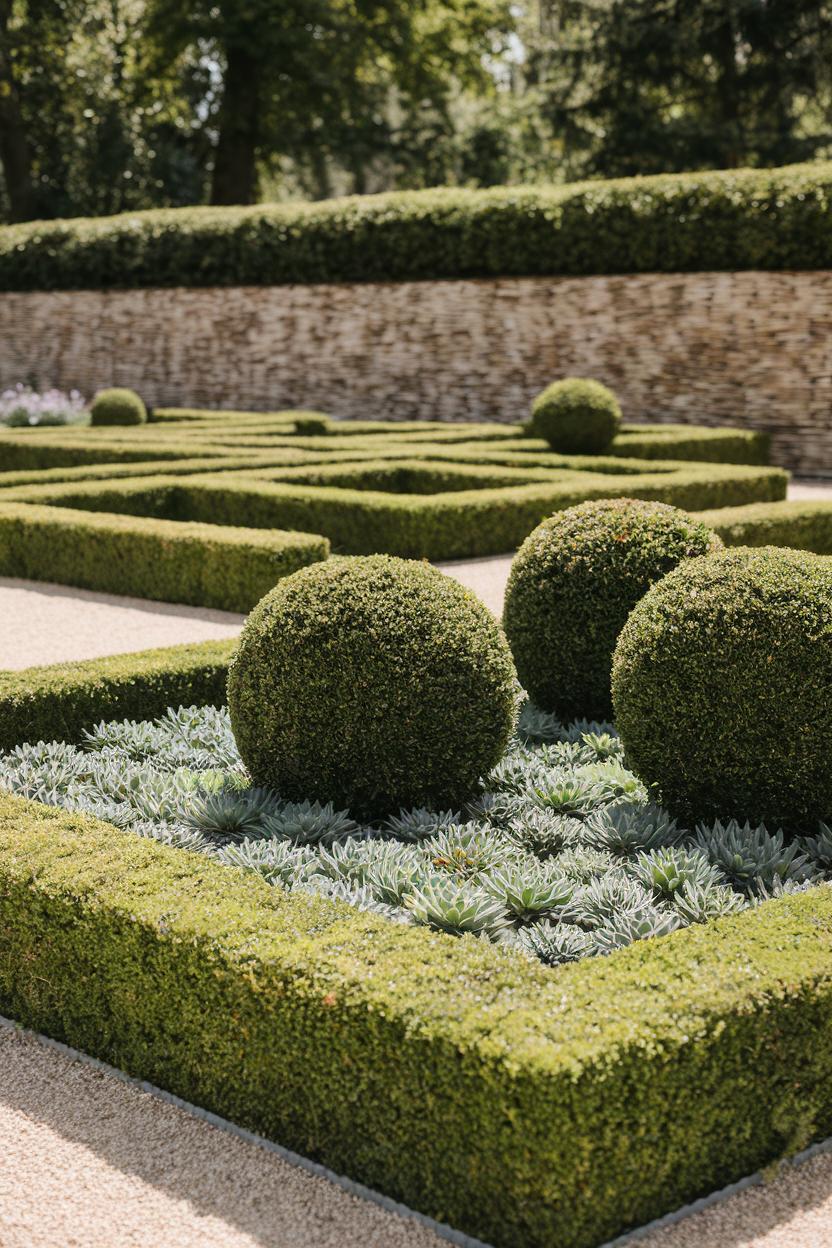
<point>373,683</point>
<point>722,684</point>
<point>576,416</point>
<point>572,585</point>
<point>312,424</point>
<point>117,407</point>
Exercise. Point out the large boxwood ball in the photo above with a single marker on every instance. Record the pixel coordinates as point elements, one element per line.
<point>722,683</point>
<point>117,407</point>
<point>576,416</point>
<point>572,585</point>
<point>374,683</point>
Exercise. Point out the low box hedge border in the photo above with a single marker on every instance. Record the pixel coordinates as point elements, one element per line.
<point>726,220</point>
<point>162,467</point>
<point>639,441</point>
<point>64,700</point>
<point>21,451</point>
<point>523,1105</point>
<point>221,434</point>
<point>721,445</point>
<point>453,525</point>
<point>207,565</point>
<point>802,525</point>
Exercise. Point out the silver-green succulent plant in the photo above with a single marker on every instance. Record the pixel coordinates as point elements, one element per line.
<point>309,823</point>
<point>749,857</point>
<point>665,870</point>
<point>556,943</point>
<point>561,855</point>
<point>455,906</point>
<point>529,893</point>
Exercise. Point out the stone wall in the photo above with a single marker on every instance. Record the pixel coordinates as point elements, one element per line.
<point>752,349</point>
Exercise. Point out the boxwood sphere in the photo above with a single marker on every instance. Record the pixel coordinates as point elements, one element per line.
<point>572,585</point>
<point>722,684</point>
<point>117,407</point>
<point>373,683</point>
<point>576,416</point>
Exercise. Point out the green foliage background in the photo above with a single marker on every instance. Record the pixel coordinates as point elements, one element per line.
<point>113,105</point>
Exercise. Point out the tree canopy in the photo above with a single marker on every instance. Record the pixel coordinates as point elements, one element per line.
<point>111,105</point>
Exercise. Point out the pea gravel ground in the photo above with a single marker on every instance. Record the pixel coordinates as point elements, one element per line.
<point>87,1161</point>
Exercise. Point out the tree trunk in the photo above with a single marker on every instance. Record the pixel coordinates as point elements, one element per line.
<point>731,142</point>
<point>15,154</point>
<point>235,178</point>
<point>320,172</point>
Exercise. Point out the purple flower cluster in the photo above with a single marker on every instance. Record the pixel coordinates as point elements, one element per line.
<point>22,406</point>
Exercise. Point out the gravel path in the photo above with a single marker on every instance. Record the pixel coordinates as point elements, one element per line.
<point>83,1153</point>
<point>45,623</point>
<point>87,1161</point>
<point>792,1211</point>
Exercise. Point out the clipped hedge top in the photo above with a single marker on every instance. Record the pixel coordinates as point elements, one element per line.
<point>562,1021</point>
<point>736,219</point>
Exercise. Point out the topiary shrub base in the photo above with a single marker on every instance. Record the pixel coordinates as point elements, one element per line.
<point>374,683</point>
<point>721,683</point>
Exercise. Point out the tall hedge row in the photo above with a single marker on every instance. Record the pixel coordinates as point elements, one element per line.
<point>737,219</point>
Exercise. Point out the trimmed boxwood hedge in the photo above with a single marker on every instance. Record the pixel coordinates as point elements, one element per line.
<point>577,416</point>
<point>208,565</point>
<point>20,451</point>
<point>573,583</point>
<point>801,525</point>
<point>734,219</point>
<point>447,525</point>
<point>641,441</point>
<point>524,1105</point>
<point>117,406</point>
<point>63,700</point>
<point>722,446</point>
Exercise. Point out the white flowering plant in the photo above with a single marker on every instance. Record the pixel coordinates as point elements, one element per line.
<point>21,406</point>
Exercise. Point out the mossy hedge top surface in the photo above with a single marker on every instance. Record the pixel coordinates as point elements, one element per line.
<point>722,685</point>
<point>373,683</point>
<point>572,585</point>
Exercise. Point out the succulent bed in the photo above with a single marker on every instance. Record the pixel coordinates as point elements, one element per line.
<point>563,855</point>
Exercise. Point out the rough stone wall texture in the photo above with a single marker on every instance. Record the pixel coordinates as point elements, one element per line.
<point>752,349</point>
